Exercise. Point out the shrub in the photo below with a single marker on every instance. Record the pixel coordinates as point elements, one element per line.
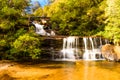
<point>26,46</point>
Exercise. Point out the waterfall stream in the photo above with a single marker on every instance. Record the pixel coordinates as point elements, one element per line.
<point>40,30</point>
<point>86,48</point>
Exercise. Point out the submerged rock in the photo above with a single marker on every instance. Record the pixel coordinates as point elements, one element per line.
<point>111,52</point>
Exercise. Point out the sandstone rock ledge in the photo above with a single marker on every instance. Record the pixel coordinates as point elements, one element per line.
<point>111,52</point>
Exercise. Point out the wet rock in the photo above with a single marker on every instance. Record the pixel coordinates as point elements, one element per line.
<point>111,52</point>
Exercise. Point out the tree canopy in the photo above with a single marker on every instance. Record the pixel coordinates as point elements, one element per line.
<point>112,27</point>
<point>76,17</point>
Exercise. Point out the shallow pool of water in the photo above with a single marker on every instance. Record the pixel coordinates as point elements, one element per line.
<point>66,70</point>
<point>88,70</point>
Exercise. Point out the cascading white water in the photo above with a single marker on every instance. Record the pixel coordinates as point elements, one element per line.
<point>90,54</point>
<point>90,49</point>
<point>100,42</point>
<point>40,30</point>
<point>69,47</point>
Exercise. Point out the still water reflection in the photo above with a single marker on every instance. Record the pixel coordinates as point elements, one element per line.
<point>87,70</point>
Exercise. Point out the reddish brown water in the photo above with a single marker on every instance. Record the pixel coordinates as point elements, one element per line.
<point>80,70</point>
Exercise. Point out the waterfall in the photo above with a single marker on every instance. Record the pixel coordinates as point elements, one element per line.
<point>94,53</point>
<point>86,52</point>
<point>91,40</point>
<point>70,47</point>
<point>40,30</point>
<point>73,49</point>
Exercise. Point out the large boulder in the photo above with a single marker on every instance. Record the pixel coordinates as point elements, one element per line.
<point>111,52</point>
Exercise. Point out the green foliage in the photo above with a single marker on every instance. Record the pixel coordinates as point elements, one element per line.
<point>10,12</point>
<point>76,17</point>
<point>19,32</point>
<point>38,12</point>
<point>27,45</point>
<point>16,42</point>
<point>5,24</point>
<point>2,42</point>
<point>112,27</point>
